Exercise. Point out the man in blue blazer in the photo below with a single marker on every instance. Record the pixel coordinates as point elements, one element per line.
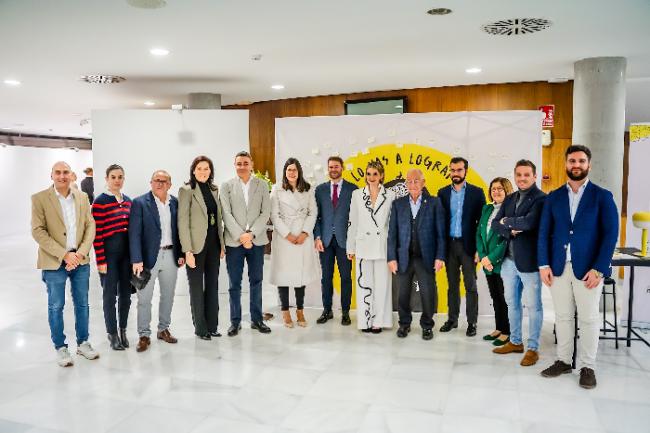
<point>154,245</point>
<point>518,222</point>
<point>577,237</point>
<point>416,247</point>
<point>463,204</point>
<point>330,234</point>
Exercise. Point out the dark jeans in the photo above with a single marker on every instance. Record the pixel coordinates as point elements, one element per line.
<point>116,282</point>
<point>204,287</point>
<point>254,257</point>
<point>55,283</point>
<point>334,252</point>
<point>283,291</point>
<point>457,259</point>
<point>428,293</point>
<point>495,284</point>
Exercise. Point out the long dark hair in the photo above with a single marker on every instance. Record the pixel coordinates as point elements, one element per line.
<point>302,185</point>
<point>210,182</point>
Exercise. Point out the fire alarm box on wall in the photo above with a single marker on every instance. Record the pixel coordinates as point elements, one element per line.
<point>546,137</point>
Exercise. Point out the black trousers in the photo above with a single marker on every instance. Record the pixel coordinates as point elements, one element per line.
<point>495,284</point>
<point>204,285</point>
<point>333,252</point>
<point>428,293</point>
<point>458,259</point>
<point>116,282</point>
<point>283,291</point>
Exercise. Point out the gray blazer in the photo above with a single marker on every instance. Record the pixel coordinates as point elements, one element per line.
<point>237,217</point>
<point>193,219</point>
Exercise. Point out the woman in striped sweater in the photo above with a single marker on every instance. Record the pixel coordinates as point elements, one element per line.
<point>111,211</point>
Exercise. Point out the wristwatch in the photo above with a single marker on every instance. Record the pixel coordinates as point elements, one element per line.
<point>598,273</point>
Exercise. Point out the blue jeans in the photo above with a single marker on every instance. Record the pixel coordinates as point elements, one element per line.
<point>526,286</point>
<point>55,282</point>
<point>254,257</point>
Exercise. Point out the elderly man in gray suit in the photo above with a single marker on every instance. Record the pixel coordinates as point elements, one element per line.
<point>245,207</point>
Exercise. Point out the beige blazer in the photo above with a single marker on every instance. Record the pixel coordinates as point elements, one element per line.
<point>237,217</point>
<point>193,219</point>
<point>48,227</point>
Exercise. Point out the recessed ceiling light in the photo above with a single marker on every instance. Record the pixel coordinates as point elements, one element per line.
<point>6,127</point>
<point>149,103</point>
<point>11,82</point>
<point>473,70</point>
<point>277,87</point>
<point>439,11</point>
<point>160,52</point>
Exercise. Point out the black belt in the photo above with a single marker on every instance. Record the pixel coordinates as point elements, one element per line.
<point>456,239</point>
<point>167,247</point>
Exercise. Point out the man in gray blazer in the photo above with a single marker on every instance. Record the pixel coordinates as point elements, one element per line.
<point>245,207</point>
<point>331,230</point>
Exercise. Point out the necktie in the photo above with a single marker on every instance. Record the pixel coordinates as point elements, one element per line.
<point>335,195</point>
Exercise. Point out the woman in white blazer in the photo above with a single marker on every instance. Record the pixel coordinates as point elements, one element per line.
<point>367,238</point>
<point>294,260</point>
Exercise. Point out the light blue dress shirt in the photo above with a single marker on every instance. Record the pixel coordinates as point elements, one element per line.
<point>415,207</point>
<point>456,207</point>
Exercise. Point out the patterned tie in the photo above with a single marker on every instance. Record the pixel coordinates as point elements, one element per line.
<point>335,195</point>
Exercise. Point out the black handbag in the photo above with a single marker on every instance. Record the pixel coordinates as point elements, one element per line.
<point>140,281</point>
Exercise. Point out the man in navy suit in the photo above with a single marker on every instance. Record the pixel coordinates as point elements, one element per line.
<point>577,237</point>
<point>463,204</point>
<point>416,247</point>
<point>518,222</point>
<point>154,244</point>
<point>330,234</point>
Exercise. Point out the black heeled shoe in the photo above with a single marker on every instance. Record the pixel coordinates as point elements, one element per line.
<point>115,342</point>
<point>123,339</point>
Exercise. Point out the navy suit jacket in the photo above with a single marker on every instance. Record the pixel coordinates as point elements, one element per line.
<point>330,221</point>
<point>525,218</point>
<point>431,231</point>
<point>592,234</point>
<point>472,209</point>
<point>145,232</point>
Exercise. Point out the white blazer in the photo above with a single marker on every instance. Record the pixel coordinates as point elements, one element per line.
<point>368,225</point>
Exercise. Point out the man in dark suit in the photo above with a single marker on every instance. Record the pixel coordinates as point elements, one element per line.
<point>87,184</point>
<point>154,244</point>
<point>518,222</point>
<point>463,204</point>
<point>330,234</point>
<point>416,247</point>
<point>577,237</point>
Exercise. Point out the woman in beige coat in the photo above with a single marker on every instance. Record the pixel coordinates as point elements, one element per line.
<point>294,261</point>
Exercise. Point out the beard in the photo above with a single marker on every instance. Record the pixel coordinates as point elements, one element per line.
<point>457,180</point>
<point>579,176</point>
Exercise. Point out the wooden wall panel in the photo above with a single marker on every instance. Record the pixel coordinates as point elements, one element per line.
<point>508,96</point>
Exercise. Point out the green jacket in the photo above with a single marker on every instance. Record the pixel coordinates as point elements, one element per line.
<point>491,245</point>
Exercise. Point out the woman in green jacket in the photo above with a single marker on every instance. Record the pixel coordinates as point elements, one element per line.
<point>491,248</point>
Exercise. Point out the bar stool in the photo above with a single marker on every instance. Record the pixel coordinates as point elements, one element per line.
<point>607,325</point>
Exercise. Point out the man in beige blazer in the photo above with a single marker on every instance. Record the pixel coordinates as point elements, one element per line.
<point>64,229</point>
<point>246,208</point>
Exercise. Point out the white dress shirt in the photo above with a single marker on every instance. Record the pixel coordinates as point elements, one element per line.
<point>245,187</point>
<point>69,219</point>
<point>574,202</point>
<point>165,213</point>
<point>332,183</point>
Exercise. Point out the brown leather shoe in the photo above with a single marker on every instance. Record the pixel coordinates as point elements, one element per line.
<point>167,337</point>
<point>300,314</point>
<point>530,358</point>
<point>509,347</point>
<point>143,344</point>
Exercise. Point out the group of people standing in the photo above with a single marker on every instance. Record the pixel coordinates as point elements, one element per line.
<point>520,239</point>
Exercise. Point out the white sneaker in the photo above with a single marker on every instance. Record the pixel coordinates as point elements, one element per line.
<point>63,357</point>
<point>87,351</point>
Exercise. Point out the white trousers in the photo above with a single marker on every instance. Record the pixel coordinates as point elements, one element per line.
<point>374,296</point>
<point>569,294</point>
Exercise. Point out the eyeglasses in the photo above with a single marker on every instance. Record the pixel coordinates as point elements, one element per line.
<point>414,181</point>
<point>497,189</point>
<point>161,181</point>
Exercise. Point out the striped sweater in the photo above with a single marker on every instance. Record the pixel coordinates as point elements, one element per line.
<point>110,217</point>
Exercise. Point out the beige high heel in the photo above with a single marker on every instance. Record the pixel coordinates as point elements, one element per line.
<point>300,318</point>
<point>286,317</point>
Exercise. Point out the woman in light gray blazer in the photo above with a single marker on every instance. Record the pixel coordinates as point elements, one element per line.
<point>200,229</point>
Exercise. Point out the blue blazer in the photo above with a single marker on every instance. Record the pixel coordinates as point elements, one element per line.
<point>592,234</point>
<point>525,218</point>
<point>330,221</point>
<point>472,209</point>
<point>145,232</point>
<point>431,232</point>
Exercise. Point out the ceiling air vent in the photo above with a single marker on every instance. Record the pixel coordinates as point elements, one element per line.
<point>147,4</point>
<point>517,26</point>
<point>102,79</point>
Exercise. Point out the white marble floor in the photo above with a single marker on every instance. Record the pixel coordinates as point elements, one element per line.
<point>325,378</point>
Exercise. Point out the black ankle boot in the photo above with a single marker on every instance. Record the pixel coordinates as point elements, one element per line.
<point>114,339</point>
<point>123,339</point>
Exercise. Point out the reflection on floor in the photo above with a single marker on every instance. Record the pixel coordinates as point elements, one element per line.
<point>325,378</point>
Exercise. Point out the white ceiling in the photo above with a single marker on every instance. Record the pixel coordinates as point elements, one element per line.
<point>312,47</point>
